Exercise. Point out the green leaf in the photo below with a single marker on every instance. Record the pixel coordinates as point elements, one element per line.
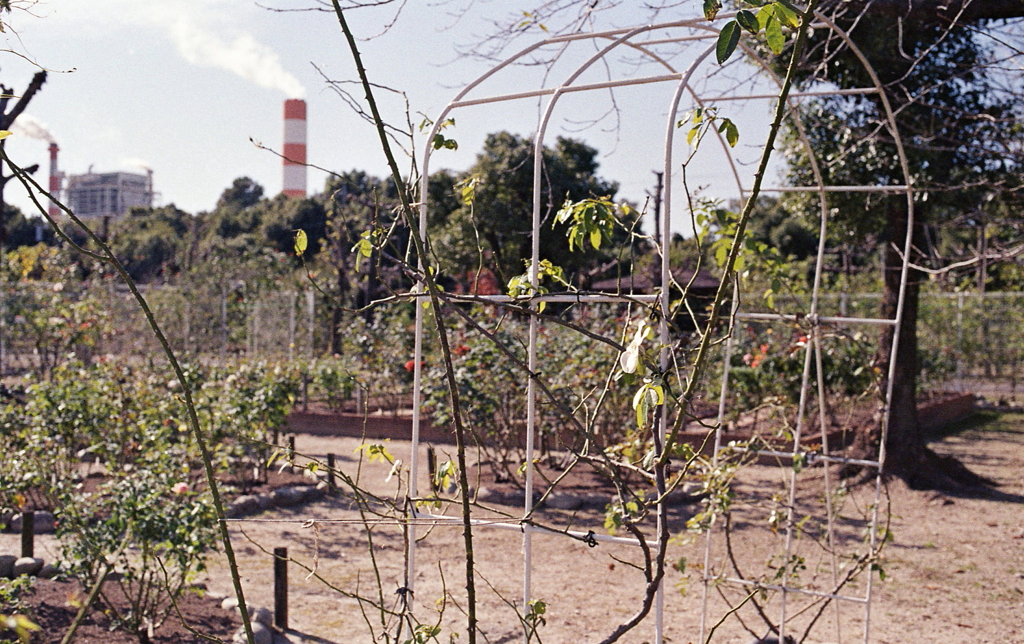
<point>595,238</point>
<point>301,241</point>
<point>363,248</point>
<point>692,134</point>
<point>764,14</point>
<point>727,41</point>
<point>468,188</point>
<point>748,21</point>
<point>721,254</point>
<point>732,133</point>
<point>4,134</point>
<point>773,34</point>
<point>711,8</point>
<point>641,413</point>
<point>441,142</point>
<point>881,571</point>
<point>785,13</point>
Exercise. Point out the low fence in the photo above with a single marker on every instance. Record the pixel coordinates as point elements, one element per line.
<point>967,341</point>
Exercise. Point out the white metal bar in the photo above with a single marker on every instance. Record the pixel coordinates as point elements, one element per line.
<point>674,41</point>
<point>792,479</point>
<point>802,591</point>
<point>666,275</point>
<point>634,30</point>
<point>719,430</point>
<point>417,400</point>
<point>827,480</point>
<point>550,91</point>
<point>811,457</point>
<point>901,300</point>
<point>838,92</point>
<point>568,298</point>
<point>846,461</point>
<point>836,189</point>
<point>520,527</point>
<point>791,317</point>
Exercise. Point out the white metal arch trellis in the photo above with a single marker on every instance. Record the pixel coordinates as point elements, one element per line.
<point>680,34</point>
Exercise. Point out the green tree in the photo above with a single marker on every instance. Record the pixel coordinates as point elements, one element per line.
<point>948,90</point>
<point>953,120</point>
<point>779,227</point>
<point>282,216</point>
<point>243,193</point>
<point>151,242</point>
<point>500,212</point>
<point>236,213</point>
<point>22,231</point>
<point>357,203</point>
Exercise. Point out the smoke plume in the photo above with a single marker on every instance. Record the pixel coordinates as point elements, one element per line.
<point>134,162</point>
<point>242,55</point>
<point>30,126</point>
<point>207,33</point>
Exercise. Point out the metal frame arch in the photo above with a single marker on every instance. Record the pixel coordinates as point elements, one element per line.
<point>618,38</point>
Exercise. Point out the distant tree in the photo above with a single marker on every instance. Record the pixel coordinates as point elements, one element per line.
<point>281,216</point>
<point>151,242</point>
<point>356,202</point>
<point>243,193</point>
<point>783,228</point>
<point>22,231</point>
<point>500,215</point>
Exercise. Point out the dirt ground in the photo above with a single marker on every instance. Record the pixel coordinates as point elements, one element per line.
<point>954,570</point>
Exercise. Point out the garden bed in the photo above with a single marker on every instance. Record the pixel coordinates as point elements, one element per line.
<point>54,605</point>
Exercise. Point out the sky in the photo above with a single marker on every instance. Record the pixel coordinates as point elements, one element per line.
<point>192,89</point>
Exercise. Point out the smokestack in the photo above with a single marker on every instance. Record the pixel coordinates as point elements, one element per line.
<point>54,179</point>
<point>294,169</point>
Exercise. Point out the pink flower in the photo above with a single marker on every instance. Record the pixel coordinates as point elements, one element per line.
<point>180,488</point>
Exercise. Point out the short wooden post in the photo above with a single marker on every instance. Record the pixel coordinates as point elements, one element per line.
<point>330,474</point>
<point>291,450</point>
<point>281,588</point>
<point>28,533</point>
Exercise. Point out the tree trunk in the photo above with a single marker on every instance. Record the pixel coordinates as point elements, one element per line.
<point>907,453</point>
<point>905,442</point>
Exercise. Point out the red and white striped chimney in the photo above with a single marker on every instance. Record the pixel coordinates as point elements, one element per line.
<point>54,179</point>
<point>294,184</point>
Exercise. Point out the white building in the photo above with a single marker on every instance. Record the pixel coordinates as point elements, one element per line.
<point>108,194</point>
